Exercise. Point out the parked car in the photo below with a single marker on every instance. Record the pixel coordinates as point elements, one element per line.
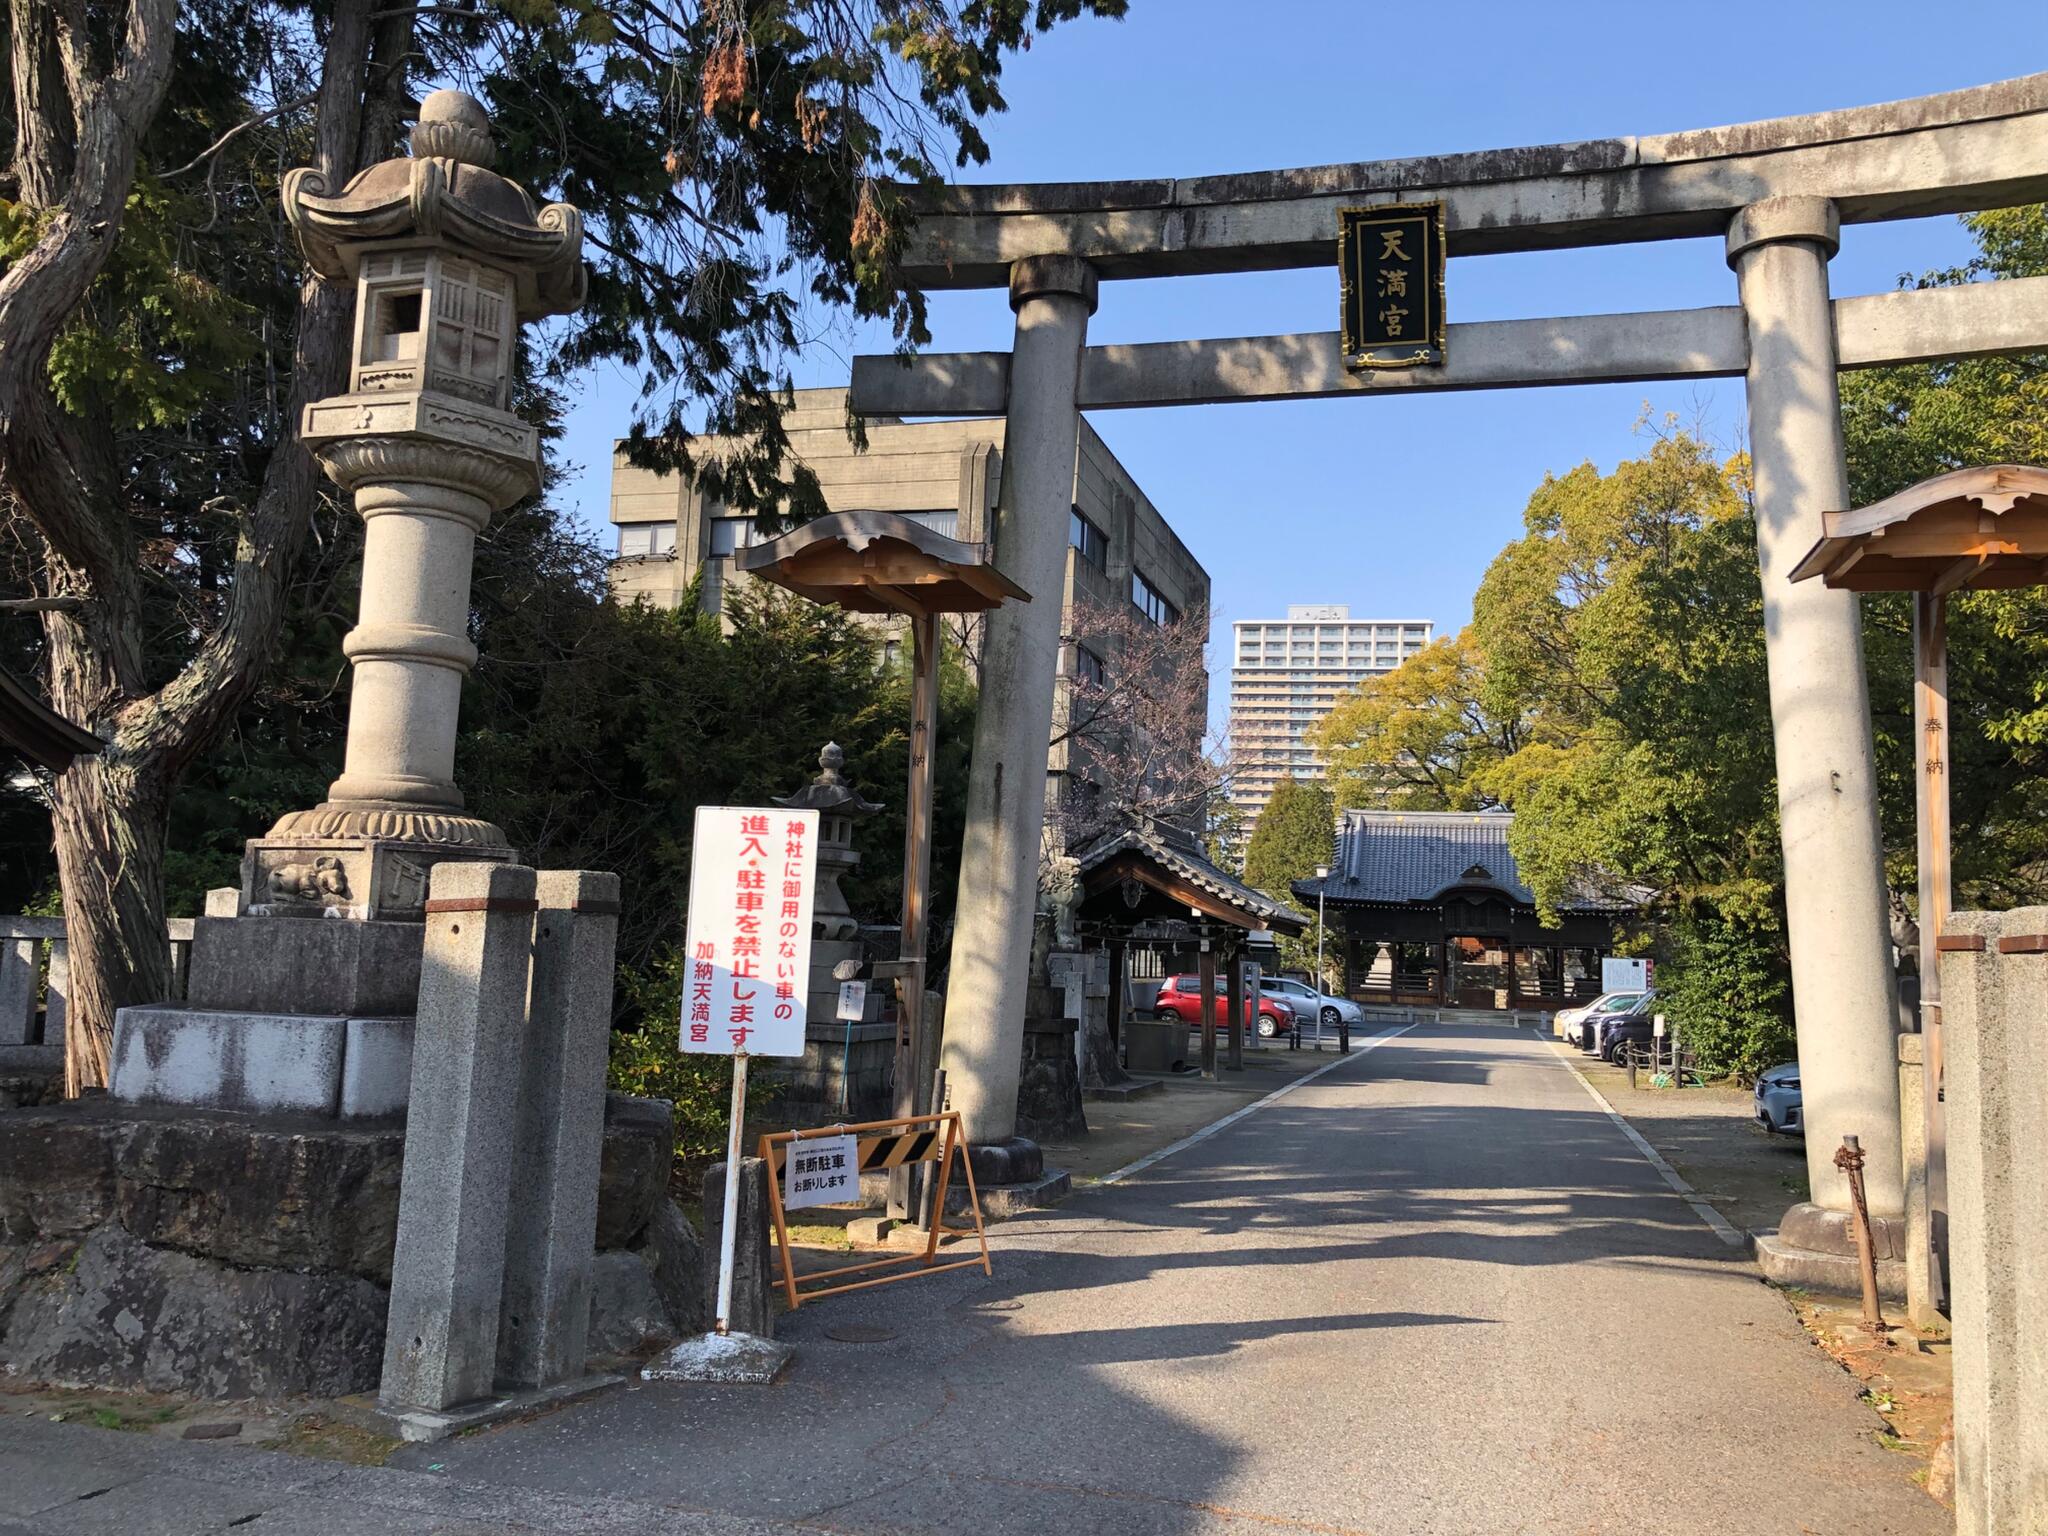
<point>1572,1028</point>
<point>1310,1005</point>
<point>1180,999</point>
<point>1779,1106</point>
<point>1634,1026</point>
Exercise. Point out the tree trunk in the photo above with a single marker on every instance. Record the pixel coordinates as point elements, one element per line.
<point>109,815</point>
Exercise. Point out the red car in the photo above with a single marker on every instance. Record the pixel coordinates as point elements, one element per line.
<point>1180,999</point>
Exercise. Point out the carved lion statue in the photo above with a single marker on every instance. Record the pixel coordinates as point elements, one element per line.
<point>324,881</point>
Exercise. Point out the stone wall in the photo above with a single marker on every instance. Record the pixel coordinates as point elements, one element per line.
<point>231,1256</point>
<point>807,1090</point>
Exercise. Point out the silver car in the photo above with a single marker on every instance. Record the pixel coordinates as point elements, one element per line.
<point>1779,1105</point>
<point>1309,1005</point>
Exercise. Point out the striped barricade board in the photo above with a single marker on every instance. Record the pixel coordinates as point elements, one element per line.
<point>902,1142</point>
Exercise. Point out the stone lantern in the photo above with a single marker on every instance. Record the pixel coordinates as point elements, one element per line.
<point>448,259</point>
<point>835,934</point>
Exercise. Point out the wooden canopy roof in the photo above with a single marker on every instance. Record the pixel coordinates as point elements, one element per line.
<point>879,562</point>
<point>38,732</point>
<point>1135,859</point>
<point>1980,527</point>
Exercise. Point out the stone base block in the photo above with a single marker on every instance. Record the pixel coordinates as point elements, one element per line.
<point>874,1231</point>
<point>241,1256</point>
<point>1819,1229</point>
<point>1832,1274</point>
<point>360,862</point>
<point>32,1060</point>
<point>272,965</point>
<point>1001,1201</point>
<point>899,1236</point>
<point>1016,1161</point>
<point>376,1068</point>
<point>727,1359</point>
<point>263,1063</point>
<point>424,1426</point>
<point>117,1312</point>
<point>31,1075</point>
<point>1150,1046</point>
<point>267,1063</point>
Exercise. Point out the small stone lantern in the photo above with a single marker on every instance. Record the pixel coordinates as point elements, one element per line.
<point>845,1065</point>
<point>448,259</point>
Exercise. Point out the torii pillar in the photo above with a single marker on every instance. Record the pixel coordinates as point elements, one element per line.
<point>1053,296</point>
<point>1844,989</point>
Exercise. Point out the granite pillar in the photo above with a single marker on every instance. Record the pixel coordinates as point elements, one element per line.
<point>1053,296</point>
<point>1994,990</point>
<point>1835,899</point>
<point>552,1225</point>
<point>448,1269</point>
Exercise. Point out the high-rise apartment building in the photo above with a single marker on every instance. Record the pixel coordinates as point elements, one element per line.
<point>1287,674</point>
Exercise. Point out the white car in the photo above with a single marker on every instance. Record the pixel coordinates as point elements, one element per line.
<point>1310,1005</point>
<point>1570,1025</point>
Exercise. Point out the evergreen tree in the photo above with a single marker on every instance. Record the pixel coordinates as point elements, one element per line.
<point>1295,833</point>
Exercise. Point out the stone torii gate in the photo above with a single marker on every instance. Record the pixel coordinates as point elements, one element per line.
<point>1778,191</point>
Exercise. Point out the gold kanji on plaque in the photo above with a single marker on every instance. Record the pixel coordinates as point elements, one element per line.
<point>1390,261</point>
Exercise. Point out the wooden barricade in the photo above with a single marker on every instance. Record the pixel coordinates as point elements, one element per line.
<point>884,1144</point>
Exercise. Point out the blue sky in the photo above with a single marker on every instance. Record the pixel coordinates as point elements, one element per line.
<point>1396,505</point>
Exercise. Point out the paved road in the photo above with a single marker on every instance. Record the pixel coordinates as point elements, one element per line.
<point>1435,1290</point>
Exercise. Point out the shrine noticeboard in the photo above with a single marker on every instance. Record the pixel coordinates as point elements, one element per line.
<point>747,949</point>
<point>1390,261</point>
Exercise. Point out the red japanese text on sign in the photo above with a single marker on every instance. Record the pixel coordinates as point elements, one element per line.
<point>749,954</point>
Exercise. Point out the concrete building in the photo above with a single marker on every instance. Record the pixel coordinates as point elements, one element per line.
<point>1286,675</point>
<point>944,474</point>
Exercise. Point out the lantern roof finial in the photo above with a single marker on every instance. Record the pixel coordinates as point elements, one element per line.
<point>453,125</point>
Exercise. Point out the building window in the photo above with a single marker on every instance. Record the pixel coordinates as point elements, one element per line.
<point>1089,541</point>
<point>647,539</point>
<point>1150,601</point>
<point>1088,668</point>
<point>732,533</point>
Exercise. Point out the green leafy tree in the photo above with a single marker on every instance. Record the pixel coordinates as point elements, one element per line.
<point>1420,737</point>
<point>740,164</point>
<point>1294,834</point>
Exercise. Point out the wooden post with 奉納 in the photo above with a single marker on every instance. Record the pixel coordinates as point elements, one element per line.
<point>917,871</point>
<point>1208,974</point>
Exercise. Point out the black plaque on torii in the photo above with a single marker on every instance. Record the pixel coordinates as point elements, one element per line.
<point>1390,260</point>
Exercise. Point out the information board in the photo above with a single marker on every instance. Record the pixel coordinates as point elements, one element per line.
<point>753,877</point>
<point>822,1171</point>
<point>1619,975</point>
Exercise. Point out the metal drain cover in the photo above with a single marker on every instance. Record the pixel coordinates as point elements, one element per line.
<point>860,1333</point>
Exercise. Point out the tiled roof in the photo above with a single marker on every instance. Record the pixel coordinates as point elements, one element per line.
<point>1183,858</point>
<point>1403,856</point>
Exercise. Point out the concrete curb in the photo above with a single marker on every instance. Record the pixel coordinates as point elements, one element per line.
<point>1713,1218</point>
